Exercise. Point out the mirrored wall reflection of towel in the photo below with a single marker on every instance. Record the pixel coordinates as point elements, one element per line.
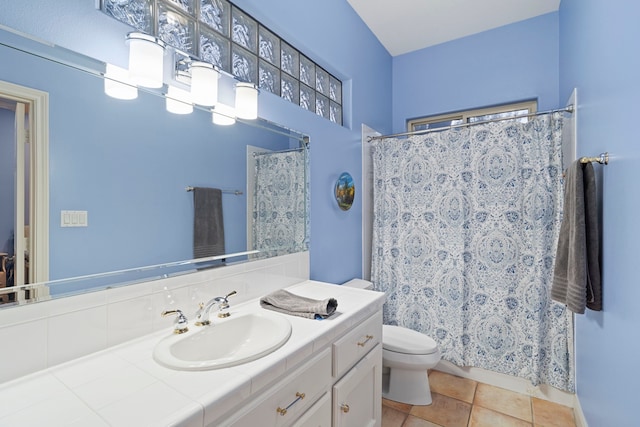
<point>208,224</point>
<point>576,277</point>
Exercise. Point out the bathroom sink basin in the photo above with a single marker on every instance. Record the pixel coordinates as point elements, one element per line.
<point>229,342</point>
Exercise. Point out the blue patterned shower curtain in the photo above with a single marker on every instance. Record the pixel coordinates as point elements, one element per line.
<point>466,223</point>
<point>279,220</point>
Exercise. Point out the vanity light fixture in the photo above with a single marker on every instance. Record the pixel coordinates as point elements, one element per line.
<point>246,101</point>
<point>117,83</point>
<point>146,59</point>
<point>178,101</point>
<point>223,114</point>
<point>204,83</point>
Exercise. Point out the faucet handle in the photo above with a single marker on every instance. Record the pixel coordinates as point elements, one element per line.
<point>223,310</point>
<point>181,324</point>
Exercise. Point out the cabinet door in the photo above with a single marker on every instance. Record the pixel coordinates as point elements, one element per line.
<point>357,397</point>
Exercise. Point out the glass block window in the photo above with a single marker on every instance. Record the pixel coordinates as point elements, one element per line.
<point>218,32</point>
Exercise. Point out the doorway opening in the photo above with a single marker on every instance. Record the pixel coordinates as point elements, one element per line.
<point>24,191</point>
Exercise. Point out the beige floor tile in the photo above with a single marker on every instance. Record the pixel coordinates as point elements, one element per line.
<point>444,411</point>
<point>550,414</point>
<point>483,417</point>
<point>505,401</point>
<point>402,407</point>
<point>392,417</point>
<point>418,422</point>
<point>452,386</point>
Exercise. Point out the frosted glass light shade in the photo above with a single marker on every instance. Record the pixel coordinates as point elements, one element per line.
<point>246,101</point>
<point>146,57</point>
<point>178,101</point>
<point>224,115</point>
<point>204,83</point>
<point>117,83</point>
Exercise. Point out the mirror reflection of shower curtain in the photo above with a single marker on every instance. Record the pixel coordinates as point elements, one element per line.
<point>279,220</point>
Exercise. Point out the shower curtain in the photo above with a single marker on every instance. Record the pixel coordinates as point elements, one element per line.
<point>465,229</point>
<point>279,220</point>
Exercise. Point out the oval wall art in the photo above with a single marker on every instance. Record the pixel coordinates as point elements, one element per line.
<point>345,191</point>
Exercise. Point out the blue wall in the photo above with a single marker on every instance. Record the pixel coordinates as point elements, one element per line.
<point>335,38</point>
<point>512,63</point>
<point>600,57</point>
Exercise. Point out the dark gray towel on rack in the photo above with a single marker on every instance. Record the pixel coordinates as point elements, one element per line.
<point>208,224</point>
<point>576,277</point>
<point>285,302</point>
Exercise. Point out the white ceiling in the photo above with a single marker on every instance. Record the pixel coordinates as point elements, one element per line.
<point>406,25</point>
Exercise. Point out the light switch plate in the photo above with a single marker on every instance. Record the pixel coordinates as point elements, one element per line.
<point>74,219</point>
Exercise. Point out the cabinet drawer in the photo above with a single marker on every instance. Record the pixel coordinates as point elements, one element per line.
<point>319,415</point>
<point>348,350</point>
<point>286,401</point>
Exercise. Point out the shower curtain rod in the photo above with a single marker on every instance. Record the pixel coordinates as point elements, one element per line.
<point>567,109</point>
<point>258,153</point>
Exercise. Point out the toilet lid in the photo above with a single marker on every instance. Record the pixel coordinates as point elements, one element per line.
<point>408,341</point>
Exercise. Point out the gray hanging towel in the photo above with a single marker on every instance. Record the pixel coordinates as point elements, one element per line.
<point>285,302</point>
<point>576,277</point>
<point>208,224</point>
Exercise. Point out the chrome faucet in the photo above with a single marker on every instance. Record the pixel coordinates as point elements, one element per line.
<point>222,303</point>
<point>181,322</point>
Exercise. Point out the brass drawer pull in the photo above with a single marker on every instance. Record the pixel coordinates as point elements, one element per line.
<point>363,343</point>
<point>283,411</point>
<point>344,408</point>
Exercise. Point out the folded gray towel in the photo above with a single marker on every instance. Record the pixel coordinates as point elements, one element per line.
<point>285,302</point>
<point>208,223</point>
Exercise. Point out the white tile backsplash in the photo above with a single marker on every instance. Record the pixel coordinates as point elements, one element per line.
<point>24,349</point>
<point>49,333</point>
<point>129,319</point>
<point>76,334</point>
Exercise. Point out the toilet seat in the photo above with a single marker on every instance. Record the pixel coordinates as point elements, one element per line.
<point>407,341</point>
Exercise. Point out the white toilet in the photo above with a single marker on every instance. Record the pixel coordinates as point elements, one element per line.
<point>406,356</point>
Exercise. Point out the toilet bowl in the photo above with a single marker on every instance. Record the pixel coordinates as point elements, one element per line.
<point>406,356</point>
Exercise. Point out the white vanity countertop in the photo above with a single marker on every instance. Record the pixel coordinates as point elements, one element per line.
<point>124,386</point>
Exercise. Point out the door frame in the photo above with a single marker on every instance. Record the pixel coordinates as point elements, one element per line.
<point>38,102</point>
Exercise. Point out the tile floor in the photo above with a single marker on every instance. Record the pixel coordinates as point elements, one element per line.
<point>460,402</point>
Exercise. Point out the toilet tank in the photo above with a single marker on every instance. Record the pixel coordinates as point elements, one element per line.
<point>359,283</point>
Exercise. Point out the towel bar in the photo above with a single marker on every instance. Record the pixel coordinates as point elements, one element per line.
<point>603,159</point>
<point>236,192</point>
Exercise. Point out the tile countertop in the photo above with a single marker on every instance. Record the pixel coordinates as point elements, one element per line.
<point>124,386</point>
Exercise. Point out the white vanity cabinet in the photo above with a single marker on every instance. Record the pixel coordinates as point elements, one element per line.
<point>287,400</point>
<point>357,399</point>
<point>338,386</point>
<point>327,374</point>
<point>357,367</point>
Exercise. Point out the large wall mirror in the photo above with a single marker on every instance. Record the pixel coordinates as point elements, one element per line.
<point>120,209</point>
